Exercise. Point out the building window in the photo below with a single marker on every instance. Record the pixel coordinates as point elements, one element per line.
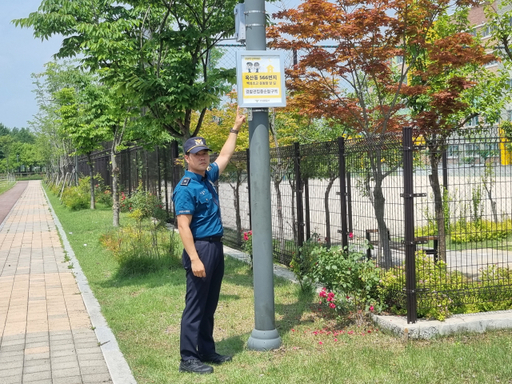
<point>453,151</point>
<point>472,150</point>
<point>486,31</point>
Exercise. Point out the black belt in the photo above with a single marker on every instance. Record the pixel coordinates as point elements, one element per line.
<point>211,239</point>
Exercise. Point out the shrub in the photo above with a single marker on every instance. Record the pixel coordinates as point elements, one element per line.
<point>143,205</point>
<point>481,230</point>
<point>247,244</point>
<point>140,251</point>
<point>495,291</point>
<point>79,197</point>
<point>102,192</point>
<point>431,277</point>
<point>303,261</point>
<point>347,275</point>
<point>104,197</point>
<point>427,230</point>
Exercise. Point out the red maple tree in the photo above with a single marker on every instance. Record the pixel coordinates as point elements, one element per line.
<point>375,66</point>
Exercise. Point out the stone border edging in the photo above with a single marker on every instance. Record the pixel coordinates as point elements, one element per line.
<point>119,369</point>
<point>428,329</point>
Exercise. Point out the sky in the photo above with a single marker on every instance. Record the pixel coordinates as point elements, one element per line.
<point>21,55</point>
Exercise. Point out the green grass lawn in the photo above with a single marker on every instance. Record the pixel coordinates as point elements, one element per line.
<point>6,185</point>
<point>144,313</point>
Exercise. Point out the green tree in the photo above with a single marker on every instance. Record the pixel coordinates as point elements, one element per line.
<point>5,149</point>
<point>4,131</point>
<point>55,146</point>
<point>159,53</point>
<point>346,71</point>
<point>449,85</point>
<point>85,119</point>
<point>499,16</point>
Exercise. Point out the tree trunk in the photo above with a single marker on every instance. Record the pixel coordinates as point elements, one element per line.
<point>280,220</point>
<point>91,174</point>
<point>438,205</point>
<point>115,192</point>
<point>488,185</point>
<point>379,208</point>
<point>236,202</point>
<point>494,210</point>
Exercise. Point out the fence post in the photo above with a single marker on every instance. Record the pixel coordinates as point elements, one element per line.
<point>349,203</point>
<point>343,191</point>
<point>410,244</point>
<point>146,161</point>
<point>298,195</point>
<point>129,173</point>
<point>166,181</point>
<point>176,176</point>
<point>308,215</point>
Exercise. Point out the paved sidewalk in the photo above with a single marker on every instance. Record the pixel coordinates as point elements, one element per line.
<point>45,329</point>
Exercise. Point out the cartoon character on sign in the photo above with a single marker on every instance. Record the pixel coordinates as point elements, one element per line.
<point>257,67</point>
<point>249,66</point>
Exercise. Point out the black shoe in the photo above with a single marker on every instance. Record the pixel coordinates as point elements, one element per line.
<point>215,358</point>
<point>195,366</point>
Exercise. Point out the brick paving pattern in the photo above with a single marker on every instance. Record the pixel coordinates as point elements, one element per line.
<point>46,333</point>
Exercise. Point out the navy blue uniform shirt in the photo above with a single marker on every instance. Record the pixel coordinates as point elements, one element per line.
<point>193,196</point>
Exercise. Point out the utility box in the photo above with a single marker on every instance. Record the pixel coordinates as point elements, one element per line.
<point>240,23</point>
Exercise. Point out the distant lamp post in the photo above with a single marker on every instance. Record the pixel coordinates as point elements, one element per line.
<point>18,161</point>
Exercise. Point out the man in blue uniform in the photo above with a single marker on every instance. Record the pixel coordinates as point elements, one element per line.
<point>200,227</point>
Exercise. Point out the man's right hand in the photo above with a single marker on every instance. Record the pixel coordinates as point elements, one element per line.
<point>198,268</point>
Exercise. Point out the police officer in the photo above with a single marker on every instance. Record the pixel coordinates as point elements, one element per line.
<point>200,227</point>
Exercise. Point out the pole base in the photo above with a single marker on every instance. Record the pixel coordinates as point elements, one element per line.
<point>264,340</point>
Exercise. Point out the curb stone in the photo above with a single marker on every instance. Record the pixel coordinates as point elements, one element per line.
<point>118,367</point>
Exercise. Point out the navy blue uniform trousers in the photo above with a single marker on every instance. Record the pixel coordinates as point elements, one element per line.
<point>201,300</point>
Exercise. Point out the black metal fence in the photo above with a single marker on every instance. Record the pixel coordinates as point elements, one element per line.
<point>391,191</point>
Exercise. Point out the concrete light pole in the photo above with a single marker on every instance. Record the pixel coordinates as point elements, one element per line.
<point>264,336</point>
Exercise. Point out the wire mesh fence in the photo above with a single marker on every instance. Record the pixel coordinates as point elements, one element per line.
<point>463,218</point>
<point>354,193</point>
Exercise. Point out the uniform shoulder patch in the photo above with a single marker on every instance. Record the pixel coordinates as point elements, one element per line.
<point>185,181</point>
<point>209,168</point>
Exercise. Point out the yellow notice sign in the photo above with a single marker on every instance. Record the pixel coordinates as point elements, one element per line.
<point>260,80</point>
